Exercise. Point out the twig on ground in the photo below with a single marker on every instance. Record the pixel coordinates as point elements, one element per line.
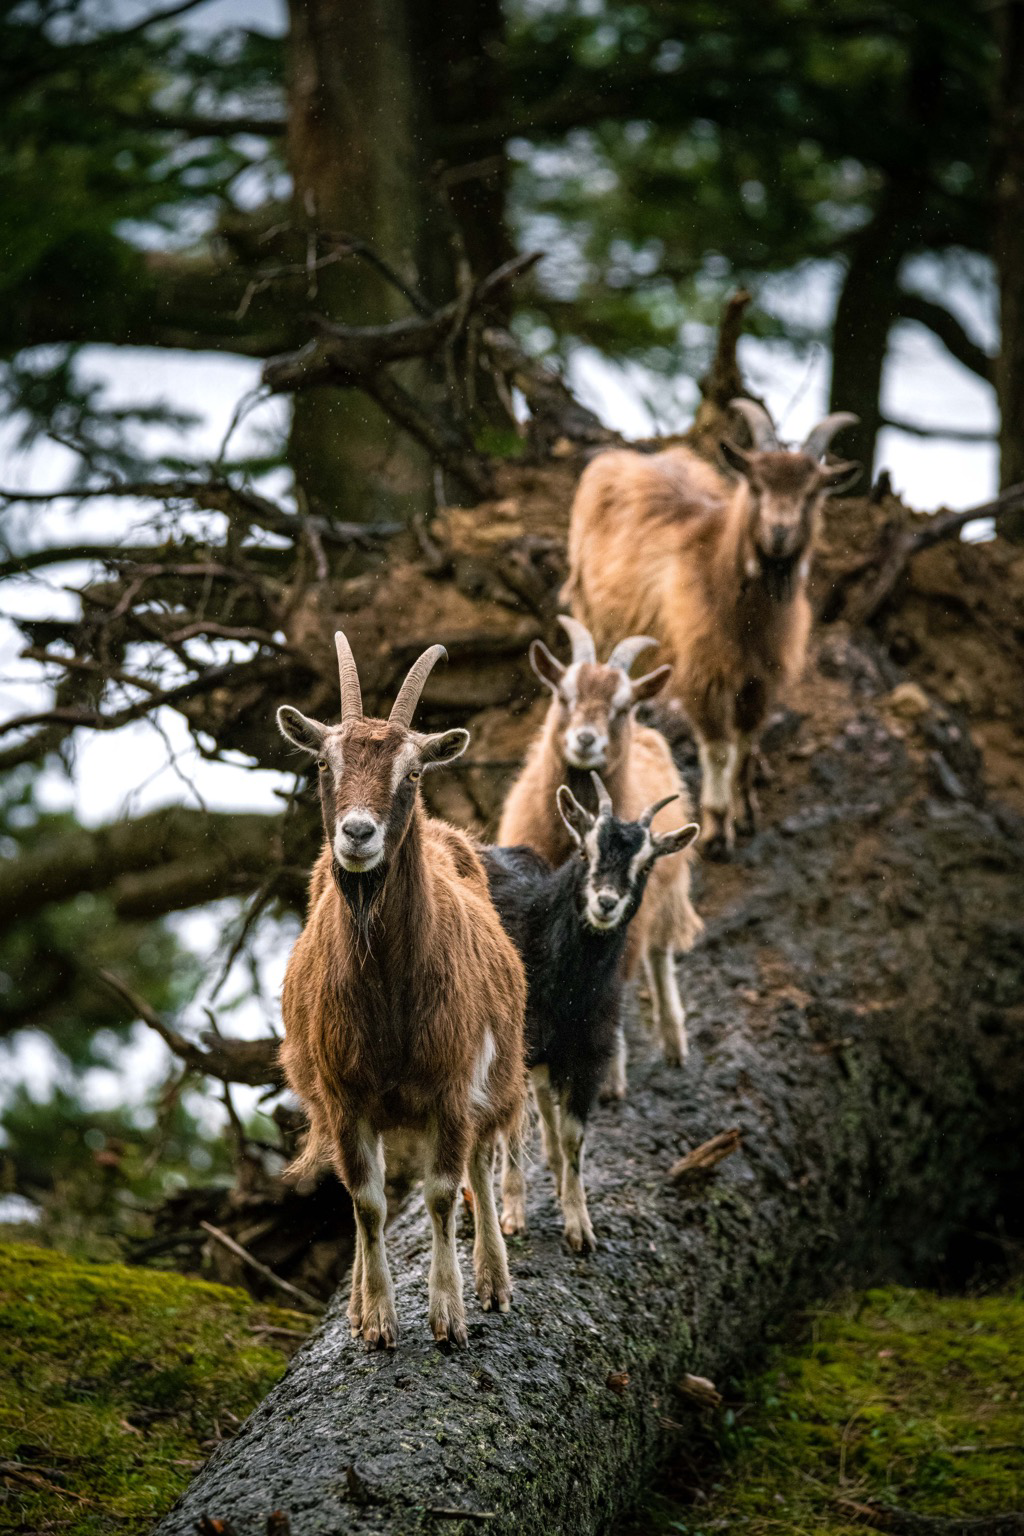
<point>903,1522</point>
<point>706,1155</point>
<point>303,1298</point>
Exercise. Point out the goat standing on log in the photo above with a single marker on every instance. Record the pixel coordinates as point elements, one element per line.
<point>590,727</point>
<point>718,572</point>
<point>403,1001</point>
<point>571,925</point>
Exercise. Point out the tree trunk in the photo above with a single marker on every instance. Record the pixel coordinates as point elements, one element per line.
<point>867,307</point>
<point>855,1012</point>
<point>357,146</point>
<point>1009,247</point>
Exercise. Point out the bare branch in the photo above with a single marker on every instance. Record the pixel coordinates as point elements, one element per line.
<point>303,1298</point>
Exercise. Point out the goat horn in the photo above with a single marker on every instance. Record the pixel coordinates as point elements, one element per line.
<point>351,695</point>
<point>627,651</point>
<point>581,638</point>
<point>404,707</point>
<point>604,799</point>
<point>652,810</point>
<point>759,423</point>
<point>819,439</point>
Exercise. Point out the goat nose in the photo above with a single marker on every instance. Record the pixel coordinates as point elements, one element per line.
<point>607,900</point>
<point>358,829</point>
<point>585,739</point>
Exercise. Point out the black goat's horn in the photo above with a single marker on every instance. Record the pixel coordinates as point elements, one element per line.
<point>604,799</point>
<point>652,810</point>
<point>818,439</point>
<point>762,430</point>
<point>581,638</point>
<point>404,707</point>
<point>351,695</point>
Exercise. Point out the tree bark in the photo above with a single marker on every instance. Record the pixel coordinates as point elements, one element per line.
<point>1009,246</point>
<point>855,1013</point>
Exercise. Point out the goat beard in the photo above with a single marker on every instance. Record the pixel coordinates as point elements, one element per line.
<point>361,894</point>
<point>778,575</point>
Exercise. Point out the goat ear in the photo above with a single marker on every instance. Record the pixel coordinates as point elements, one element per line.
<point>736,457</point>
<point>651,683</point>
<point>445,747</point>
<point>836,478</point>
<point>675,842</point>
<point>547,667</point>
<point>577,819</point>
<point>300,730</point>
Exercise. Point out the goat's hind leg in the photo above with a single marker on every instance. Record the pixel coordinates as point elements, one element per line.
<point>669,1013</point>
<point>717,792</point>
<point>746,811</point>
<point>513,1178</point>
<point>490,1261</point>
<point>541,1084</point>
<point>355,1300</point>
<point>614,1086</point>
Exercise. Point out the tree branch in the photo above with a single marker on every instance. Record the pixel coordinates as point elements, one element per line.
<point>944,324</point>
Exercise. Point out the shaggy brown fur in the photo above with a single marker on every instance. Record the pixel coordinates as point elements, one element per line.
<point>637,768</point>
<point>717,572</point>
<point>403,1006</point>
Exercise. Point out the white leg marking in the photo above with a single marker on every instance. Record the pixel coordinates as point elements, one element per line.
<point>513,1181</point>
<point>579,1233</point>
<point>670,1013</point>
<point>718,761</point>
<point>379,1317</point>
<point>445,1311</point>
<point>614,1085</point>
<point>490,1261</point>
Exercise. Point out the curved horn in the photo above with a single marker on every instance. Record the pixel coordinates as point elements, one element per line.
<point>819,438</point>
<point>759,424</point>
<point>652,810</point>
<point>604,799</point>
<point>581,638</point>
<point>351,695</point>
<point>627,651</point>
<point>404,707</point>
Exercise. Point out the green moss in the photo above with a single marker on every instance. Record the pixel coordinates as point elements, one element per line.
<point>115,1383</point>
<point>903,1396</point>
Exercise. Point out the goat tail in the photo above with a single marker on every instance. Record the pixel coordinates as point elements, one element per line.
<point>314,1157</point>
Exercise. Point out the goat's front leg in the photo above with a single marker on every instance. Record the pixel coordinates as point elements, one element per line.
<point>446,1159</point>
<point>490,1261</point>
<point>717,791</point>
<point>361,1166</point>
<point>579,1233</point>
<point>669,1013</point>
<point>548,1109</point>
<point>513,1179</point>
<point>355,1300</point>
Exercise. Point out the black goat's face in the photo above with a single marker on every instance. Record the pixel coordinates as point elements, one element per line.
<point>594,704</point>
<point>619,855</point>
<point>369,769</point>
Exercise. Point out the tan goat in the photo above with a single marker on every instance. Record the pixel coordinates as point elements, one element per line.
<point>717,571</point>
<point>403,1001</point>
<point>589,727</point>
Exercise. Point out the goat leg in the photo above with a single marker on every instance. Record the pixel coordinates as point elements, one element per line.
<point>490,1261</point>
<point>513,1180</point>
<point>446,1313</point>
<point>579,1233</point>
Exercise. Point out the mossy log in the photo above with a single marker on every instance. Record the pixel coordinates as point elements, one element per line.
<point>855,1012</point>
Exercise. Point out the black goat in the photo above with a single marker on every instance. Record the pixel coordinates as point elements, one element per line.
<point>570,926</point>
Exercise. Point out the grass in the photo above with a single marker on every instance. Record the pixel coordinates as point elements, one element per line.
<point>115,1384</point>
<point>902,1396</point>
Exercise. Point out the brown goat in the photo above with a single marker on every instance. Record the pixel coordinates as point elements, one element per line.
<point>718,573</point>
<point>590,727</point>
<point>403,1001</point>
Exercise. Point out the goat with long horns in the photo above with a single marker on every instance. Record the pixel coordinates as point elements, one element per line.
<point>717,572</point>
<point>403,1001</point>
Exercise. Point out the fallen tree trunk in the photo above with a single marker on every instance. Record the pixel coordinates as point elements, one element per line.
<point>855,1014</point>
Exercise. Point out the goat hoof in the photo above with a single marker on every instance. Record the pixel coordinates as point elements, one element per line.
<point>448,1322</point>
<point>495,1295</point>
<point>612,1092</point>
<point>674,1057</point>
<point>380,1328</point>
<point>717,848</point>
<point>513,1220</point>
<point>580,1236</point>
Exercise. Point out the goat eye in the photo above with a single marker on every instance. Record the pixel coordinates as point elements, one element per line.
<point>321,763</point>
<point>413,775</point>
